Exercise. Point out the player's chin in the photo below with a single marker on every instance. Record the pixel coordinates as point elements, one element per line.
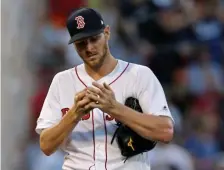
<point>94,63</point>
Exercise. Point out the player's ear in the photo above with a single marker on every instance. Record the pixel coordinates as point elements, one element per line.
<point>107,32</point>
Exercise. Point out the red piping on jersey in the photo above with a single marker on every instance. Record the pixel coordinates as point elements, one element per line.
<point>93,141</point>
<point>91,166</point>
<point>103,114</point>
<point>105,127</point>
<point>120,74</point>
<point>93,136</point>
<point>76,71</point>
<point>92,115</point>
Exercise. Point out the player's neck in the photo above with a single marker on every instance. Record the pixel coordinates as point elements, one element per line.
<point>107,67</point>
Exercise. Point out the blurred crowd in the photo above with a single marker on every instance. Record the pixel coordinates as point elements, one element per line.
<point>182,41</point>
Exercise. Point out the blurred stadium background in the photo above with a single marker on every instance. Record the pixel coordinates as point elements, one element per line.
<point>182,41</point>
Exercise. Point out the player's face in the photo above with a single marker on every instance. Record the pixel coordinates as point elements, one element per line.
<point>93,50</point>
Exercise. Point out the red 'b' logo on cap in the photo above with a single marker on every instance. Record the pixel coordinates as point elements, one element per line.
<point>80,22</point>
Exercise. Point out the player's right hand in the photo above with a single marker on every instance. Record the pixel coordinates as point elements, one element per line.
<point>80,101</point>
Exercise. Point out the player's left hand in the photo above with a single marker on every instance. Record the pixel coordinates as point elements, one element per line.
<point>102,96</point>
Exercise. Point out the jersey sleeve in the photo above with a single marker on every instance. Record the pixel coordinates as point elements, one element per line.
<point>151,94</point>
<point>50,113</point>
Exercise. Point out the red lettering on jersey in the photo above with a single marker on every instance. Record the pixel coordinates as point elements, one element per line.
<point>86,117</point>
<point>64,111</point>
<point>109,118</point>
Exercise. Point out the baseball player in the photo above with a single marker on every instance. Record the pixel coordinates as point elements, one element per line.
<point>83,103</point>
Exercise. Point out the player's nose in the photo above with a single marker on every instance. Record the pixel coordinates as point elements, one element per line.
<point>89,46</point>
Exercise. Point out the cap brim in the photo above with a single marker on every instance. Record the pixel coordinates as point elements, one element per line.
<point>84,35</point>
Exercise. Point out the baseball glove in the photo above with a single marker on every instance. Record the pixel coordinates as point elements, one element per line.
<point>129,142</point>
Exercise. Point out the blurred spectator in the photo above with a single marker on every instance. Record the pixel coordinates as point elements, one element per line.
<point>209,29</point>
<point>178,91</point>
<point>58,10</point>
<point>204,74</point>
<point>221,127</point>
<point>37,100</point>
<point>202,142</point>
<point>171,157</point>
<point>164,31</point>
<point>219,164</point>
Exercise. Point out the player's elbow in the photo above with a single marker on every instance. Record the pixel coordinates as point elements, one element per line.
<point>45,146</point>
<point>168,134</point>
<point>46,152</point>
<point>45,149</point>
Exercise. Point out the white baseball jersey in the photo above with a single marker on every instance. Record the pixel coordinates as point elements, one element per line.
<point>88,145</point>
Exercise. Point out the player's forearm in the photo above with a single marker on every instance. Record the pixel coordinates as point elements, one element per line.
<point>51,138</point>
<point>151,127</point>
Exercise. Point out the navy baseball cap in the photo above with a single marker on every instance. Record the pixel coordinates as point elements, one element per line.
<point>83,23</point>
